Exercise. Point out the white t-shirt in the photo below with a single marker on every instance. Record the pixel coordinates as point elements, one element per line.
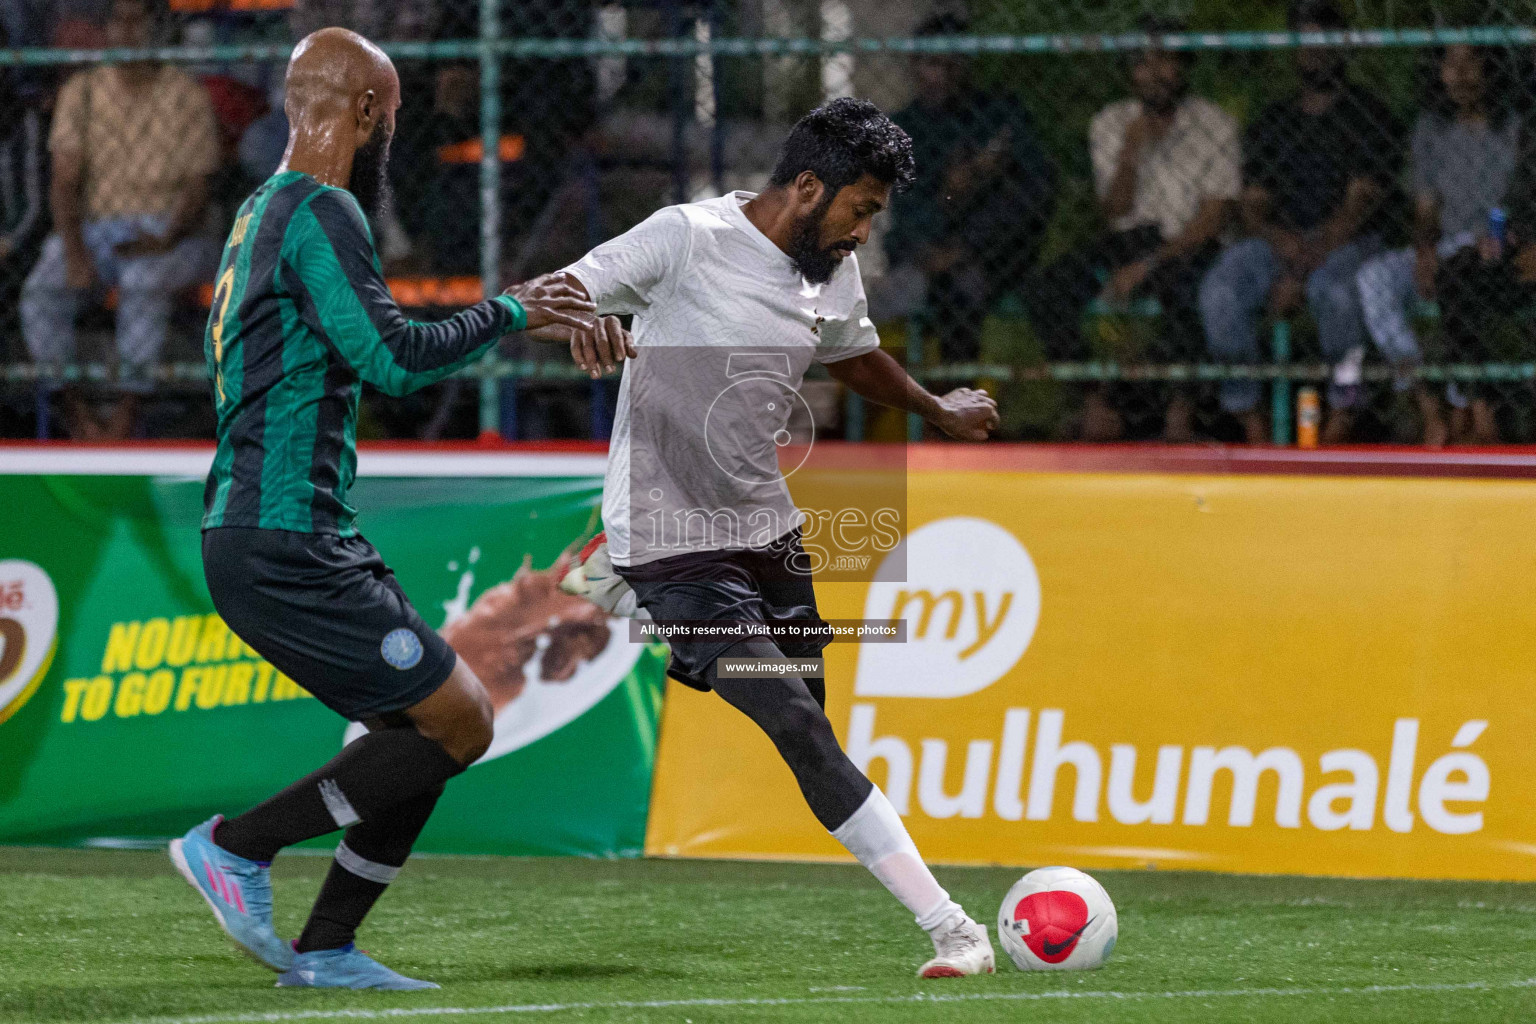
<point>1199,157</point>
<point>725,328</point>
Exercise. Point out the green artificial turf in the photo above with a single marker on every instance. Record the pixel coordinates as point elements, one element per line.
<point>107,936</point>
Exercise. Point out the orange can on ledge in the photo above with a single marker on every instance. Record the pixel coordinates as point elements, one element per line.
<point>1309,415</point>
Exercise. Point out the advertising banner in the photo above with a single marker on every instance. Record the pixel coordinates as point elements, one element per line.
<point>128,711</point>
<point>1319,675</point>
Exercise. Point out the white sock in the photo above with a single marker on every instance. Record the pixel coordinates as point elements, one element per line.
<point>875,835</point>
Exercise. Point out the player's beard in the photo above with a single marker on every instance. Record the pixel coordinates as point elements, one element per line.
<point>815,263</point>
<point>369,183</point>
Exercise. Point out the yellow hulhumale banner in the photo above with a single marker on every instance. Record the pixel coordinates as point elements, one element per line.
<point>1237,673</point>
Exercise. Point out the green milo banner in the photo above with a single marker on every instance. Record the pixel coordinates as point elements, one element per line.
<point>129,711</point>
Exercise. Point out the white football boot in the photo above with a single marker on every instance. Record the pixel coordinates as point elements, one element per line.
<point>592,577</point>
<point>960,948</point>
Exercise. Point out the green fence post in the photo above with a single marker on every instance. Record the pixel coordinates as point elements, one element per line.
<point>1280,429</point>
<point>490,203</point>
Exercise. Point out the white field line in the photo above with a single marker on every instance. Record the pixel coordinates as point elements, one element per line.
<point>405,1012</point>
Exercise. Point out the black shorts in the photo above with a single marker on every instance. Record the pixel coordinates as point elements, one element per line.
<point>770,584</point>
<point>327,612</point>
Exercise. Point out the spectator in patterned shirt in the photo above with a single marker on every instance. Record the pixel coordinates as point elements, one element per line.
<point>133,145</point>
<point>1166,169</point>
<point>1318,168</point>
<point>1462,158</point>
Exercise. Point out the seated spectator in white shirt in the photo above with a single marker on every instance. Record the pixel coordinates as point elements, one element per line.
<point>1166,167</point>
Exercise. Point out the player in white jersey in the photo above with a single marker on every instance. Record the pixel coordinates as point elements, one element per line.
<point>732,299</point>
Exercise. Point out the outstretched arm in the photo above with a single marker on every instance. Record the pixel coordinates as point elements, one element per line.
<point>330,266</point>
<point>964,413</point>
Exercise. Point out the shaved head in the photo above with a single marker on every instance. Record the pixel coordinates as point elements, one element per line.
<point>342,94</point>
<point>332,69</point>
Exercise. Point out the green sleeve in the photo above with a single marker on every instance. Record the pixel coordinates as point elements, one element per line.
<point>330,267</point>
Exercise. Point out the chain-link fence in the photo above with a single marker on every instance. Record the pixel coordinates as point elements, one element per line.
<point>1225,219</point>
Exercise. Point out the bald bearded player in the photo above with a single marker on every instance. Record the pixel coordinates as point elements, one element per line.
<point>301,316</point>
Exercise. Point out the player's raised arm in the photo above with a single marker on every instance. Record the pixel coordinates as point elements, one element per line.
<point>850,350</point>
<point>330,264</point>
<point>964,413</point>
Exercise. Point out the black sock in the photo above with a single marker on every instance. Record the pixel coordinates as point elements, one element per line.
<point>344,901</point>
<point>369,857</point>
<point>371,775</point>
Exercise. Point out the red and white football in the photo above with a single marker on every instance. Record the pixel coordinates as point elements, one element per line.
<point>1057,919</point>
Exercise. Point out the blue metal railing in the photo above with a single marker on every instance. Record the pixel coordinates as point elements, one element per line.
<point>687,46</point>
<point>498,402</point>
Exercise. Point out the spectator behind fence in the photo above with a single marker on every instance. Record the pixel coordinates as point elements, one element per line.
<point>133,145</point>
<point>1480,287</point>
<point>1166,168</point>
<point>439,199</point>
<point>1462,157</point>
<point>390,20</point>
<point>1318,168</point>
<point>21,186</point>
<point>970,226</point>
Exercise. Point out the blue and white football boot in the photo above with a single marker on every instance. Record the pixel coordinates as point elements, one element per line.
<point>238,891</point>
<point>347,967</point>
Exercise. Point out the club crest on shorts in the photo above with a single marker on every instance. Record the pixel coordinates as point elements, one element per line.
<point>401,648</point>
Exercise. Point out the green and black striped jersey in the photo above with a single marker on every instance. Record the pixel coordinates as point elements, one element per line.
<point>301,315</point>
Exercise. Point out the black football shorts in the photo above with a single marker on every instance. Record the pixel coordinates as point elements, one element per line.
<point>328,613</point>
<point>769,584</point>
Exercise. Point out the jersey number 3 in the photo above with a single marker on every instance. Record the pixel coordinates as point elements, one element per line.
<point>221,296</point>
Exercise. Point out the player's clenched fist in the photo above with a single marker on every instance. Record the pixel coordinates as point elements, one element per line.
<point>967,414</point>
<point>552,303</point>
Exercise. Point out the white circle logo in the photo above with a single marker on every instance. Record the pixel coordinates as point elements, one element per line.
<point>29,628</point>
<point>402,649</point>
<point>971,604</point>
<point>735,423</point>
